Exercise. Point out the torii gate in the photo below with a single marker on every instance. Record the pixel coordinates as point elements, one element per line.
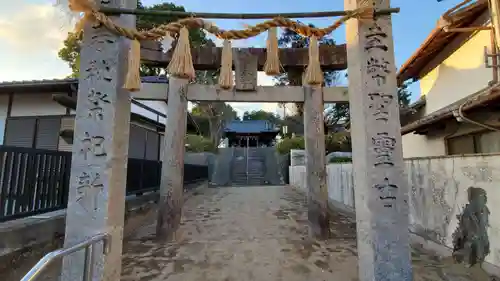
<point>98,171</point>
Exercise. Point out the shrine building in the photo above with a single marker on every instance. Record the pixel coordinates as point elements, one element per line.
<point>252,133</point>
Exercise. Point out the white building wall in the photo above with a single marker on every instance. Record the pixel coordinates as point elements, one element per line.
<point>422,146</point>
<point>35,105</point>
<point>461,74</point>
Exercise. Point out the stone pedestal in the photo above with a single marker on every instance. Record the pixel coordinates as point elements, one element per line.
<point>172,173</point>
<point>100,151</point>
<point>379,184</point>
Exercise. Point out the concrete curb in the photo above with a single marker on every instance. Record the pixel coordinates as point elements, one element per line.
<point>37,235</point>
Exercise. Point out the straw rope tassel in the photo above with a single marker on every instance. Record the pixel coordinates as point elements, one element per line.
<point>181,64</point>
<point>272,65</point>
<point>314,75</point>
<point>226,68</point>
<point>133,78</point>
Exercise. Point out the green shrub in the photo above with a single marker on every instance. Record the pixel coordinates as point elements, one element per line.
<point>197,143</point>
<point>287,144</point>
<point>339,141</point>
<point>333,142</point>
<point>341,160</point>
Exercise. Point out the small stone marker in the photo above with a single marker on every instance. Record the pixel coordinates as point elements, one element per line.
<point>381,192</point>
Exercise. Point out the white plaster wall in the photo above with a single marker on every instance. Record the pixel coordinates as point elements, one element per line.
<point>460,75</point>
<point>36,104</point>
<point>437,193</point>
<point>422,146</point>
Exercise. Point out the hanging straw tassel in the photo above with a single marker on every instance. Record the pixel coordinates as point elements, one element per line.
<point>314,75</point>
<point>226,68</point>
<point>272,65</point>
<point>133,79</point>
<point>181,64</point>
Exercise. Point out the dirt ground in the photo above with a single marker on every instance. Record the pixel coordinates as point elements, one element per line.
<point>260,233</point>
<point>246,234</point>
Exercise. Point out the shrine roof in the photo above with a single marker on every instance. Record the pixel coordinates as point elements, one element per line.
<point>419,64</point>
<point>250,127</point>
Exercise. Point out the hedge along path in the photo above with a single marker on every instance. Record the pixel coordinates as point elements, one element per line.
<point>181,64</point>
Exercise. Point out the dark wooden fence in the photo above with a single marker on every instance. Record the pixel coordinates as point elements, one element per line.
<point>32,181</point>
<point>36,181</point>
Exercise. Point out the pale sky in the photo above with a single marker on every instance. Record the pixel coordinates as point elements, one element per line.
<point>32,31</point>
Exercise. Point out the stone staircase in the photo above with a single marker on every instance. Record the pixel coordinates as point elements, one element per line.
<point>256,167</point>
<point>239,167</point>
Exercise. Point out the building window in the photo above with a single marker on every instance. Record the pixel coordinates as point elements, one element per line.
<point>33,132</point>
<point>483,142</point>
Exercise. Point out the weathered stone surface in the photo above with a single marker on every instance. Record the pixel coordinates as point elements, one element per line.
<point>470,240</point>
<point>209,58</point>
<point>381,192</point>
<point>222,167</point>
<point>171,186</point>
<point>96,201</point>
<point>315,162</point>
<point>297,157</point>
<point>245,70</point>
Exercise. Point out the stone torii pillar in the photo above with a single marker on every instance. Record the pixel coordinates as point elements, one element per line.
<point>380,188</point>
<point>96,200</point>
<point>317,190</point>
<point>172,171</point>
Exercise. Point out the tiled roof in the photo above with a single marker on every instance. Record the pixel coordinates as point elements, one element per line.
<point>489,95</point>
<point>145,79</point>
<point>38,82</point>
<point>250,126</point>
<point>464,16</point>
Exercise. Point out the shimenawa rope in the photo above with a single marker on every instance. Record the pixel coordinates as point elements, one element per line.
<point>181,63</point>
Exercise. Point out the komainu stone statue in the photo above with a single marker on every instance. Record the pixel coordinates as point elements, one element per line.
<point>470,239</point>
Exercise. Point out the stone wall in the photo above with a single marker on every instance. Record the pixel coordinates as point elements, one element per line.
<point>197,158</point>
<point>201,158</point>
<point>438,194</point>
<point>221,172</point>
<point>273,171</point>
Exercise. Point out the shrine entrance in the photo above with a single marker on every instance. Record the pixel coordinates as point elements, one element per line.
<point>111,54</point>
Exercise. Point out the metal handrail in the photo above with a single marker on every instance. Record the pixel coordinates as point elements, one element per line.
<point>60,253</point>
